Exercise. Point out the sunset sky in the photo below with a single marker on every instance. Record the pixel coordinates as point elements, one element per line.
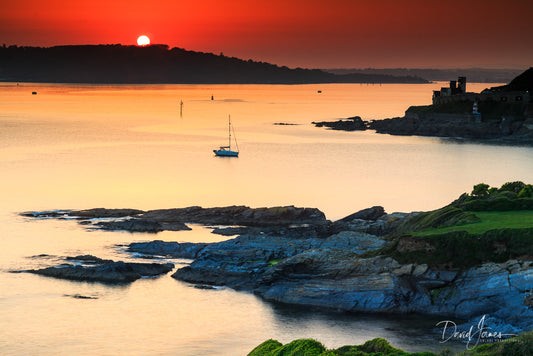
<point>305,33</point>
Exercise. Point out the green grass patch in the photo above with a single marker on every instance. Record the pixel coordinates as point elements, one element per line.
<point>448,216</point>
<point>489,220</point>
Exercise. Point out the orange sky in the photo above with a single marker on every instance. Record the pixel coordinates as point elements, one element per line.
<point>306,33</point>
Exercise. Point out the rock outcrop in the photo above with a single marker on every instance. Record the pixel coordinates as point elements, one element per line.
<point>331,273</point>
<point>141,225</point>
<point>462,126</point>
<point>186,250</point>
<point>240,215</point>
<point>175,219</point>
<point>350,124</point>
<point>93,269</point>
<point>240,262</point>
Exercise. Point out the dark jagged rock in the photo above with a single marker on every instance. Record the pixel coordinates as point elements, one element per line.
<point>140,225</point>
<point>175,219</point>
<point>298,231</point>
<point>231,231</point>
<point>240,215</point>
<point>439,125</point>
<point>457,126</point>
<point>169,249</point>
<point>350,124</point>
<point>95,213</point>
<point>56,214</point>
<point>370,221</point>
<point>105,271</point>
<point>240,262</point>
<point>88,259</point>
<point>79,296</point>
<point>204,286</point>
<point>105,213</point>
<point>372,213</point>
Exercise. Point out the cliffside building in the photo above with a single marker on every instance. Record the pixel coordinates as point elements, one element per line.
<point>456,88</point>
<point>457,92</point>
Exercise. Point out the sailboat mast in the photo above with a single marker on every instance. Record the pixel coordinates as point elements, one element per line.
<point>229,130</point>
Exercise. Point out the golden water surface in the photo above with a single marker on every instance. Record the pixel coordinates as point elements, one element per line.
<point>82,146</point>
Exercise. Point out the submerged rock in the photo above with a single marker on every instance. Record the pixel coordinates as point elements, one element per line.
<point>80,296</point>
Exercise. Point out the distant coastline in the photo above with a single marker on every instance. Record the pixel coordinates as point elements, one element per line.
<point>159,64</point>
<point>474,75</point>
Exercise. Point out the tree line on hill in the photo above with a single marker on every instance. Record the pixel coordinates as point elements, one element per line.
<point>159,64</point>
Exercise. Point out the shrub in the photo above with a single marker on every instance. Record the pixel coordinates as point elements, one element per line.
<point>300,347</point>
<point>265,348</point>
<point>515,187</point>
<point>500,203</point>
<point>526,192</point>
<point>378,345</point>
<point>459,249</point>
<point>480,190</point>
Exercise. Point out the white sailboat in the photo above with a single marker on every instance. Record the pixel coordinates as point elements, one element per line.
<point>226,151</point>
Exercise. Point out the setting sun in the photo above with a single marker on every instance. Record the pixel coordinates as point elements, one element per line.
<point>143,40</point>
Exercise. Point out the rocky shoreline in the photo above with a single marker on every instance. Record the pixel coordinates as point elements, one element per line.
<point>498,115</point>
<point>450,126</point>
<point>296,256</point>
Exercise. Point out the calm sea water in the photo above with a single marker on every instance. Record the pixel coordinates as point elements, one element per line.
<point>78,146</point>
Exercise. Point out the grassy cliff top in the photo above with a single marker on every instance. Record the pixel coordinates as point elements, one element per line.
<point>487,225</point>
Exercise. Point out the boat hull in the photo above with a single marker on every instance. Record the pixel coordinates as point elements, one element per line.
<point>226,153</point>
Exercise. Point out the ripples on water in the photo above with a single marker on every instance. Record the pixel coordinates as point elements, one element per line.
<point>126,146</point>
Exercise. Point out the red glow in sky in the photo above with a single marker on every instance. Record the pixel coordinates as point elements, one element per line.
<point>305,33</point>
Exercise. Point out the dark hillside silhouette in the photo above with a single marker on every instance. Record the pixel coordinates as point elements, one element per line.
<point>158,64</point>
<point>523,82</point>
